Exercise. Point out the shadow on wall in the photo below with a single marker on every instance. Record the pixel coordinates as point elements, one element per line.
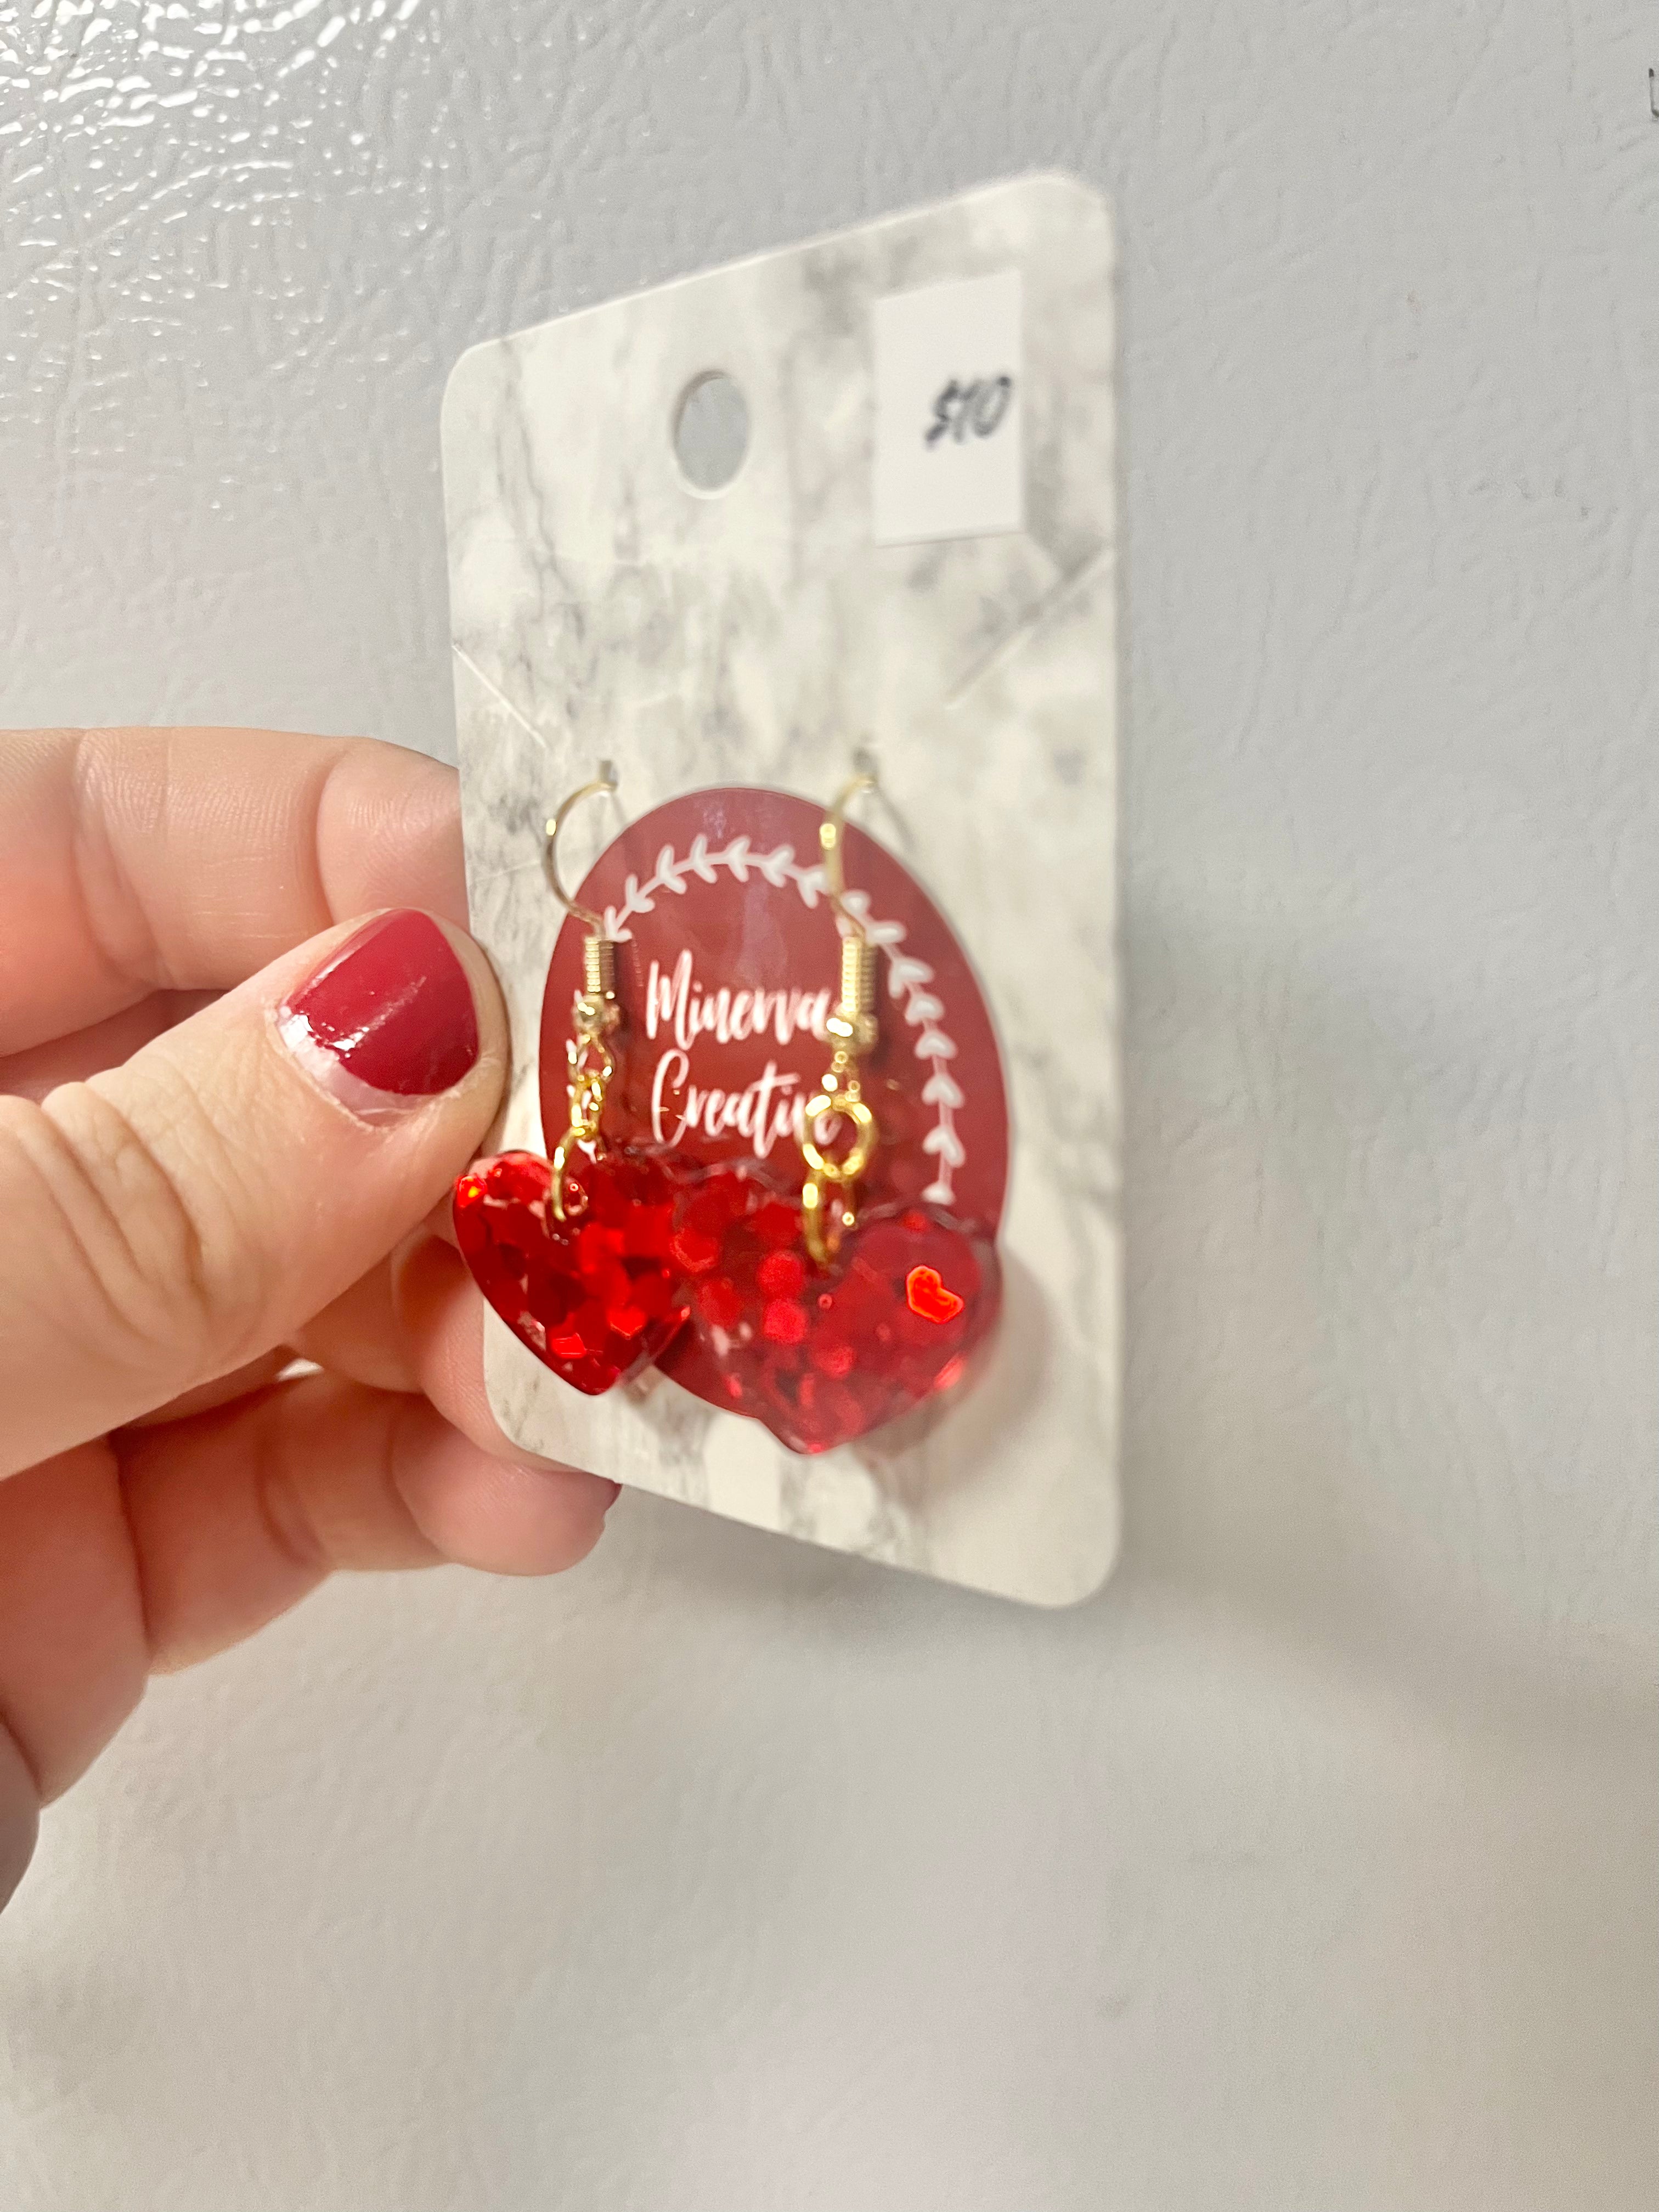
<point>1365,1319</point>
<point>1367,1307</point>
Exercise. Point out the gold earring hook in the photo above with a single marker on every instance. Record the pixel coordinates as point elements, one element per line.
<point>605,781</point>
<point>831,831</point>
<point>828,1207</point>
<point>595,1012</point>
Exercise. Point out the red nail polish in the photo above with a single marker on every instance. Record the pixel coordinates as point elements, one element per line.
<point>391,1009</point>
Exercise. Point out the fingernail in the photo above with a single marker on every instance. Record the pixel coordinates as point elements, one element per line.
<point>582,1475</point>
<point>388,1018</point>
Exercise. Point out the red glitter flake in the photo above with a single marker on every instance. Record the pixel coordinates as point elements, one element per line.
<point>784,1322</point>
<point>781,1274</point>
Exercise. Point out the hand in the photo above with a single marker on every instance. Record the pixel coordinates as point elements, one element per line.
<point>227,1110</point>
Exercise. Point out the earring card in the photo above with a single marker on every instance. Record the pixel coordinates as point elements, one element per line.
<point>913,558</point>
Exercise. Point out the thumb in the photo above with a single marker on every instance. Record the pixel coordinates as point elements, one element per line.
<point>175,1217</point>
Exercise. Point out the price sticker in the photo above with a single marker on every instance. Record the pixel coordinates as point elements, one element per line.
<point>950,459</point>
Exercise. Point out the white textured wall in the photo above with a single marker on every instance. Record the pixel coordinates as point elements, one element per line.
<point>1312,1867</point>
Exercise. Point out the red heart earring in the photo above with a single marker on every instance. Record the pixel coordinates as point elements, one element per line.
<point>824,1325</point>
<point>574,1252</point>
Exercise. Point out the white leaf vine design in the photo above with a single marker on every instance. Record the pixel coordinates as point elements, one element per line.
<point>907,978</point>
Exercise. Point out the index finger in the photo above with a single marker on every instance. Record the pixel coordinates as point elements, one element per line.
<point>137,861</point>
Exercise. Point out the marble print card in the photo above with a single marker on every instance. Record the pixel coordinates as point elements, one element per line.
<point>849,502</point>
